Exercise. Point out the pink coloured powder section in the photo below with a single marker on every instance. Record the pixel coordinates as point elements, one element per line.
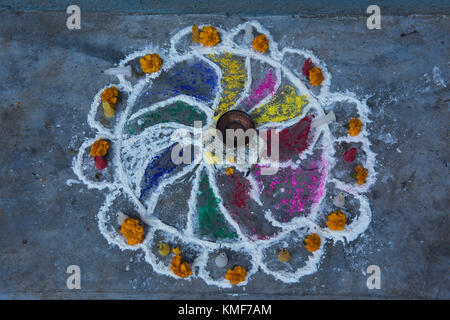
<point>293,192</point>
<point>265,87</point>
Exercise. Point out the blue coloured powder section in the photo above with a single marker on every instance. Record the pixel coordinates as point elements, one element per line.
<point>160,166</point>
<point>194,78</point>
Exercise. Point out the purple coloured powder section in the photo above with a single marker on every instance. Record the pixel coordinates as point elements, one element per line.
<point>266,87</point>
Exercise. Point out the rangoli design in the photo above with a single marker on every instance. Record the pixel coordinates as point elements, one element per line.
<point>224,222</point>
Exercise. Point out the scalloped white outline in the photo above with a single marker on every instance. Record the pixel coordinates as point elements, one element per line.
<point>253,248</point>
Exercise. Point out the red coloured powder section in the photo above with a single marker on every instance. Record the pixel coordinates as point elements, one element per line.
<point>292,140</point>
<point>350,155</point>
<point>243,209</point>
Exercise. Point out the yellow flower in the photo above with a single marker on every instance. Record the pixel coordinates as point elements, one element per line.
<point>110,95</point>
<point>361,174</point>
<point>132,231</point>
<point>354,126</point>
<point>229,171</point>
<point>312,242</point>
<point>336,221</point>
<point>209,36</point>
<point>236,275</point>
<point>260,43</point>
<point>315,76</point>
<point>99,148</point>
<point>179,268</point>
<point>151,63</point>
<point>108,109</point>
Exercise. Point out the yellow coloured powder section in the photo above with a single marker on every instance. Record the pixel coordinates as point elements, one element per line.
<point>234,77</point>
<point>284,105</point>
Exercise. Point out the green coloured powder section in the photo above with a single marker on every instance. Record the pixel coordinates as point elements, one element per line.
<point>179,113</point>
<point>211,222</point>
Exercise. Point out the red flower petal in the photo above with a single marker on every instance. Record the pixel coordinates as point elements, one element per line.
<point>306,67</point>
<point>100,163</point>
<point>350,155</point>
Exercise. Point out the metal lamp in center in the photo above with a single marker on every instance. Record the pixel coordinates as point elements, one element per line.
<point>235,119</point>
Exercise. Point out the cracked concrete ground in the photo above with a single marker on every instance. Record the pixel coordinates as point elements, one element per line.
<point>49,75</point>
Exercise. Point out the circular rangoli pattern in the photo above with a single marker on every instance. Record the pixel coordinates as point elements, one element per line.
<point>203,207</point>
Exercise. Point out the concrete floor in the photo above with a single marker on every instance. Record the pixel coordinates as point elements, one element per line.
<point>49,75</point>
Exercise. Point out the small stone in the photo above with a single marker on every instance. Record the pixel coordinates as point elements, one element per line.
<point>221,260</point>
<point>163,249</point>
<point>339,200</point>
<point>100,163</point>
<point>121,217</point>
<point>123,70</point>
<point>284,255</point>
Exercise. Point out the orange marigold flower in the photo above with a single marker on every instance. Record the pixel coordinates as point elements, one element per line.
<point>110,95</point>
<point>209,36</point>
<point>99,148</point>
<point>312,242</point>
<point>151,63</point>
<point>260,43</point>
<point>179,268</point>
<point>354,126</point>
<point>336,221</point>
<point>315,76</point>
<point>132,231</point>
<point>229,171</point>
<point>236,275</point>
<point>361,174</point>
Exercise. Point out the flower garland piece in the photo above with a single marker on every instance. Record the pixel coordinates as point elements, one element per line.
<point>229,171</point>
<point>195,34</point>
<point>179,268</point>
<point>315,76</point>
<point>306,67</point>
<point>313,73</point>
<point>209,36</point>
<point>312,242</point>
<point>132,231</point>
<point>109,99</point>
<point>260,43</point>
<point>99,148</point>
<point>361,175</point>
<point>110,95</point>
<point>336,221</point>
<point>354,126</point>
<point>237,275</point>
<point>151,63</point>
<point>100,163</point>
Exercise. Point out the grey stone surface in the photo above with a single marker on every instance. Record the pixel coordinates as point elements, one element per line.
<point>49,75</point>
